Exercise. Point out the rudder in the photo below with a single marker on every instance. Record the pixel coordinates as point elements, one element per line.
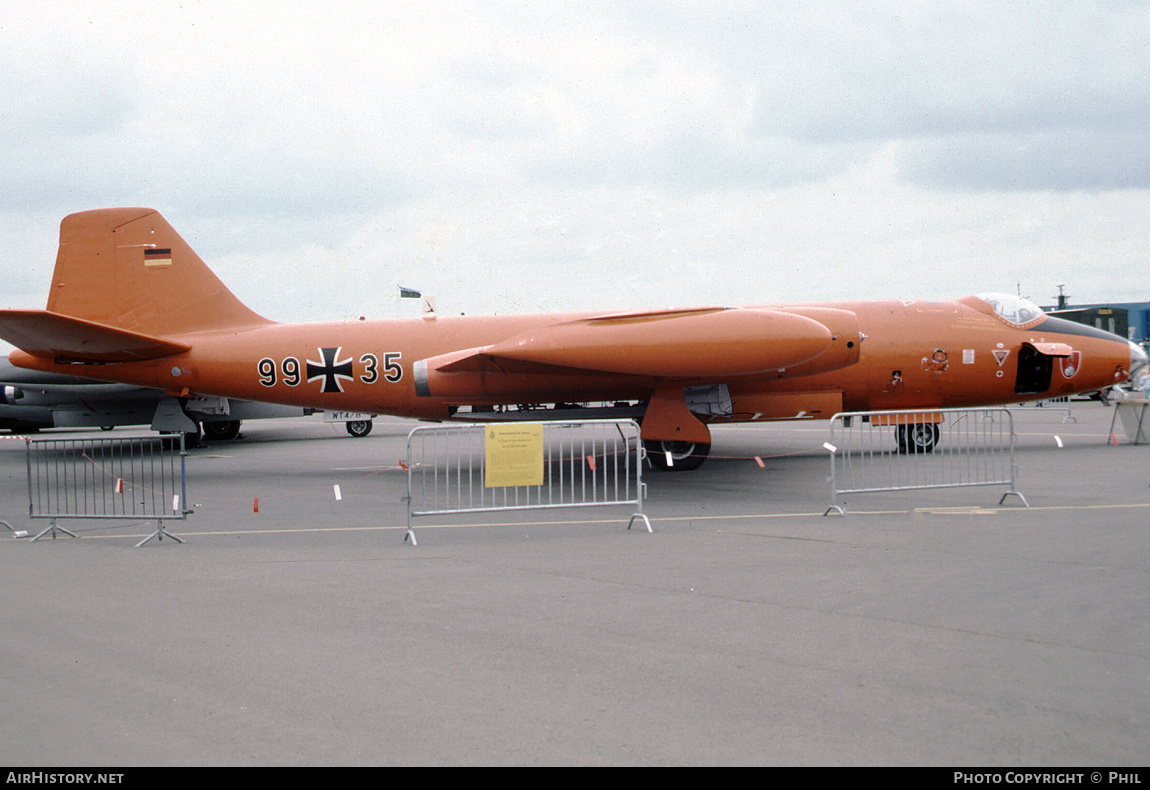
<point>128,268</point>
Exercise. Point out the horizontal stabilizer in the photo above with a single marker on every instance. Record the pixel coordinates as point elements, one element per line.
<point>69,340</point>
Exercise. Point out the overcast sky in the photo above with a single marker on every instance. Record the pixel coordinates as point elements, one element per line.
<point>536,156</point>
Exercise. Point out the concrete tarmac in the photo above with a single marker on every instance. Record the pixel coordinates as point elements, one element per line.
<point>924,628</point>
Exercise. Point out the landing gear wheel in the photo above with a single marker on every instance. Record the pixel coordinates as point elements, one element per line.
<point>914,439</point>
<point>358,428</point>
<point>684,455</point>
<point>221,431</point>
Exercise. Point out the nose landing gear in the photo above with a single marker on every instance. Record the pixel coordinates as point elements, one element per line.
<point>919,438</point>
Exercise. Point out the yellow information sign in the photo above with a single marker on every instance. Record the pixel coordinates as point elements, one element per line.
<point>514,455</point>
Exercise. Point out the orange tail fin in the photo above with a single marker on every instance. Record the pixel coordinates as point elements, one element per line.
<point>128,268</point>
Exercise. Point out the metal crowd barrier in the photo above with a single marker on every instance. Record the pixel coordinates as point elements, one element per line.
<point>906,450</point>
<point>454,469</point>
<point>141,478</point>
<point>1132,414</point>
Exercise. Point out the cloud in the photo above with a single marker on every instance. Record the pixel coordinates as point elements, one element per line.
<point>548,156</point>
<point>1059,160</point>
<point>976,78</point>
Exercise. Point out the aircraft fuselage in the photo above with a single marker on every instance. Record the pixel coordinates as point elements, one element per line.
<point>909,355</point>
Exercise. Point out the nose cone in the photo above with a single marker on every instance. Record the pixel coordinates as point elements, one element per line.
<point>1139,365</point>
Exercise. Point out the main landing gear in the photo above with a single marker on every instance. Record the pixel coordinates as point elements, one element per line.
<point>677,456</point>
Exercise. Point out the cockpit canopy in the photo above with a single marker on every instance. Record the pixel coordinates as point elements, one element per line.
<point>1013,309</point>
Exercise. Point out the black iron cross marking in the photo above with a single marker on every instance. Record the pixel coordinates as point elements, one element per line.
<point>331,370</point>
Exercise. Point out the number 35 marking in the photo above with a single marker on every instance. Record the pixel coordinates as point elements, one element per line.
<point>392,370</point>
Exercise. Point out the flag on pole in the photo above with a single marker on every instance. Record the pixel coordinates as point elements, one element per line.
<point>408,293</point>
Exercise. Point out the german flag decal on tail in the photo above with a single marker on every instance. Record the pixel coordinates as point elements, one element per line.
<point>158,257</point>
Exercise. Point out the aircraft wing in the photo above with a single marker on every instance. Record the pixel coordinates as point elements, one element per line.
<point>688,344</point>
<point>64,339</point>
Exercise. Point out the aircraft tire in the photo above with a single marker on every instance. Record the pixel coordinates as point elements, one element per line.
<point>359,428</point>
<point>916,439</point>
<point>685,456</point>
<point>221,431</point>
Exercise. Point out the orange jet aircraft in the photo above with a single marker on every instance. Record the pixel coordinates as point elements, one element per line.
<point>131,302</point>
